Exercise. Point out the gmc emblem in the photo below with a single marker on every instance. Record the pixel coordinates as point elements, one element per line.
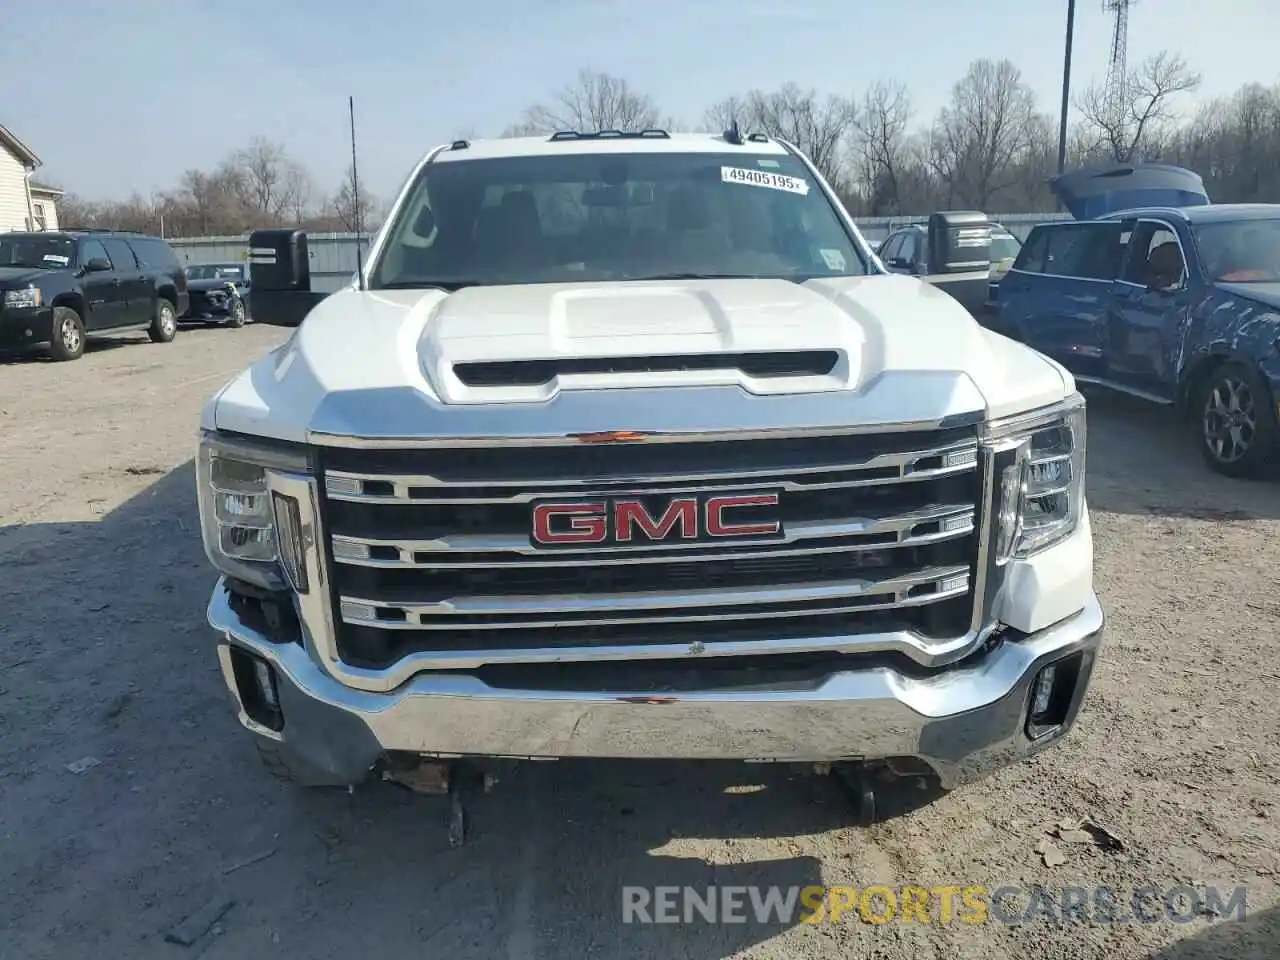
<point>692,518</point>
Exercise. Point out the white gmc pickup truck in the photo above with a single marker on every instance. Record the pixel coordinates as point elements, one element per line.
<point>625,445</point>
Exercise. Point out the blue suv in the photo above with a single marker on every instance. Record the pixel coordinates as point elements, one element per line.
<point>1155,292</point>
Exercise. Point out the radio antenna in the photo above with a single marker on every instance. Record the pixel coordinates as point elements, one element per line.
<point>355,195</point>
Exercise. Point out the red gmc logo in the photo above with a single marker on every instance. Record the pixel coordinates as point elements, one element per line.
<point>590,522</point>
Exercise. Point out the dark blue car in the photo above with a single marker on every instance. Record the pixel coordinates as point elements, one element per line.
<point>219,291</point>
<point>1177,304</point>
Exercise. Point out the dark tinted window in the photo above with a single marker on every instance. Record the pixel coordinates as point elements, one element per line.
<point>154,253</point>
<point>1031,257</point>
<point>120,254</point>
<point>1090,251</point>
<point>1155,257</point>
<point>572,217</point>
<point>216,271</point>
<point>46,251</point>
<point>91,250</point>
<point>1240,251</point>
<point>910,247</point>
<point>891,246</point>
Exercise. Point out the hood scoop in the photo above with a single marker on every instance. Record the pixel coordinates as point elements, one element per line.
<point>536,373</point>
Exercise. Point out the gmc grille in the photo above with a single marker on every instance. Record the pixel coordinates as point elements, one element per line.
<point>430,550</point>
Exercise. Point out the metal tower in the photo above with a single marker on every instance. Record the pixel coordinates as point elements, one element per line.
<point>1117,69</point>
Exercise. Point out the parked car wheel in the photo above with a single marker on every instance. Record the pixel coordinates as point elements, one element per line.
<point>236,315</point>
<point>67,339</point>
<point>165,325</point>
<point>1235,420</point>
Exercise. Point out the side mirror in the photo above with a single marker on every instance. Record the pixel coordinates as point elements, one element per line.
<point>97,265</point>
<point>280,271</point>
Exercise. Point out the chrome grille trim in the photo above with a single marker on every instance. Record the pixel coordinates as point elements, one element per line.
<point>947,582</point>
<point>952,520</point>
<point>954,459</point>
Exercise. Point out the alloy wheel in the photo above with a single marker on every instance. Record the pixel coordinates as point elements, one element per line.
<point>70,334</point>
<point>1230,420</point>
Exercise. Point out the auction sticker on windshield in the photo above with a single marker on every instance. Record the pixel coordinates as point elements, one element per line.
<point>56,258</point>
<point>763,178</point>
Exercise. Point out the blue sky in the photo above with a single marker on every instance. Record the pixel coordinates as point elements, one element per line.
<point>123,95</point>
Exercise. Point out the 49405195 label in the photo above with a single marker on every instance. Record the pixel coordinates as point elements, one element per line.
<point>764,178</point>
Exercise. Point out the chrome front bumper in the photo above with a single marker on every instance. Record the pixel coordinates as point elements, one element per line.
<point>963,721</point>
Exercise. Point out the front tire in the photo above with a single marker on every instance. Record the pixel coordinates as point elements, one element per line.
<point>164,327</point>
<point>66,340</point>
<point>1235,421</point>
<point>236,316</point>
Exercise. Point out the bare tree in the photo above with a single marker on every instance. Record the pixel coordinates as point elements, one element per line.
<point>597,101</point>
<point>882,145</point>
<point>821,127</point>
<point>350,214</point>
<point>989,148</point>
<point>76,211</point>
<point>297,191</point>
<point>1234,144</point>
<point>265,165</point>
<point>1139,120</point>
<point>722,114</point>
<point>983,134</point>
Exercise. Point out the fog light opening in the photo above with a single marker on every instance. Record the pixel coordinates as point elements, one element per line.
<point>257,689</point>
<point>266,685</point>
<point>1052,693</point>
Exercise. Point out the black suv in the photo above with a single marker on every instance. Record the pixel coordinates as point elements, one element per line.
<point>59,287</point>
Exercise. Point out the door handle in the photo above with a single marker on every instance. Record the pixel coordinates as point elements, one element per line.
<point>115,283</point>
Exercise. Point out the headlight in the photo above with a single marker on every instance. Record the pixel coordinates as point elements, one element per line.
<point>27,297</point>
<point>1039,477</point>
<point>239,511</point>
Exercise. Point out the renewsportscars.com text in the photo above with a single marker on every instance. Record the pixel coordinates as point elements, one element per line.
<point>940,904</point>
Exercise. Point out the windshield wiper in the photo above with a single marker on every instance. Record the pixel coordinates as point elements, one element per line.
<point>796,278</point>
<point>449,286</point>
<point>696,276</point>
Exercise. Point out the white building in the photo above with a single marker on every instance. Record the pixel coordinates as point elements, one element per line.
<point>24,203</point>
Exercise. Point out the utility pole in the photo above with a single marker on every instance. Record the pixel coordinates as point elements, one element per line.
<point>1066,87</point>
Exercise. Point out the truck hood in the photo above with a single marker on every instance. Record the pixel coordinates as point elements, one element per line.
<point>702,355</point>
<point>13,277</point>
<point>1264,293</point>
<point>1092,192</point>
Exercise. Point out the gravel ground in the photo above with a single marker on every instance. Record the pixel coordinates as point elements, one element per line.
<point>104,654</point>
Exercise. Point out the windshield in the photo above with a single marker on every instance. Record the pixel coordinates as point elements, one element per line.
<point>580,217</point>
<point>1004,247</point>
<point>215,271</point>
<point>1240,251</point>
<point>36,251</point>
